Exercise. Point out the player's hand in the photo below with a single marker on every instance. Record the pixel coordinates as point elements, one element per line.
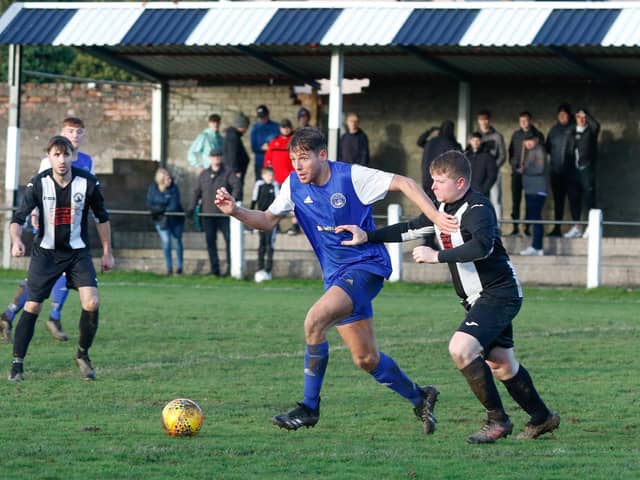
<point>107,262</point>
<point>425,255</point>
<point>17,249</point>
<point>359,235</point>
<point>446,223</point>
<point>225,202</point>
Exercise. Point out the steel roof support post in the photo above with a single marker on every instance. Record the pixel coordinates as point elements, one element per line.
<point>159,124</point>
<point>12,167</point>
<point>464,113</point>
<point>335,102</point>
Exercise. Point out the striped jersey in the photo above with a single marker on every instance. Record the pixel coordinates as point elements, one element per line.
<point>346,199</point>
<point>63,211</point>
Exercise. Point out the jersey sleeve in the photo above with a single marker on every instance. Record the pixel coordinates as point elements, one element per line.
<point>97,204</point>
<point>45,164</point>
<point>370,184</point>
<point>418,227</point>
<point>283,203</point>
<point>479,221</point>
<point>29,202</point>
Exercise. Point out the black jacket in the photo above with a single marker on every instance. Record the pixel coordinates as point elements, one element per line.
<point>558,147</point>
<point>584,145</point>
<point>516,148</point>
<point>443,142</point>
<point>484,170</point>
<point>354,148</point>
<point>210,181</point>
<point>235,155</point>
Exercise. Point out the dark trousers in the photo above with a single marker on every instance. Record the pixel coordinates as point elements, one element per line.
<point>533,209</point>
<point>267,241</point>
<point>587,181</point>
<point>516,197</point>
<point>565,185</point>
<point>211,226</point>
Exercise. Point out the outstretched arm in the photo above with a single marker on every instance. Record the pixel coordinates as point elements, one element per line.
<point>265,221</point>
<point>445,222</point>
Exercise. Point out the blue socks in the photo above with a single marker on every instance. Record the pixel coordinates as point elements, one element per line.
<point>58,297</point>
<point>389,374</point>
<point>18,302</point>
<point>316,358</point>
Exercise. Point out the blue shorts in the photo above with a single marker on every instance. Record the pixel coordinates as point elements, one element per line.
<point>362,287</point>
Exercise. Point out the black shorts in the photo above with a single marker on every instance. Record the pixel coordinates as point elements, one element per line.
<point>489,321</point>
<point>47,266</point>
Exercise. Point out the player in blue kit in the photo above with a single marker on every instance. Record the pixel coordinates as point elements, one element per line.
<point>486,282</point>
<point>72,128</point>
<point>323,195</point>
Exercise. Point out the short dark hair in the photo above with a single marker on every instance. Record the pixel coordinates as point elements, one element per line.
<point>73,121</point>
<point>60,143</point>
<point>476,135</point>
<point>484,113</point>
<point>309,139</point>
<point>214,118</point>
<point>525,113</point>
<point>453,164</point>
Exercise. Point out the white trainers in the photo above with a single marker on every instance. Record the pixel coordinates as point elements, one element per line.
<point>532,252</point>
<point>575,232</point>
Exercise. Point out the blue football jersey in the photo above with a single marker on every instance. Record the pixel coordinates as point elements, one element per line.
<point>346,199</point>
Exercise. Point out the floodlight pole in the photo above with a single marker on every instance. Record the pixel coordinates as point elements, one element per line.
<point>335,102</point>
<point>12,166</point>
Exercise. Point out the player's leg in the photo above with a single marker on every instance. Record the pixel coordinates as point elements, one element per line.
<point>59,296</point>
<point>520,386</point>
<point>17,303</point>
<point>82,276</point>
<point>333,306</point>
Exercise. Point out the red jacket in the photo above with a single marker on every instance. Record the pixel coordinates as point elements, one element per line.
<point>277,157</point>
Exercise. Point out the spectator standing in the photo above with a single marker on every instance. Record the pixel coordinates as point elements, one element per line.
<point>207,140</point>
<point>236,158</point>
<point>265,192</point>
<point>277,156</point>
<point>534,182</point>
<point>561,168</point>
<point>494,144</point>
<point>354,143</point>
<point>484,169</point>
<point>218,175</point>
<point>584,147</point>
<point>163,196</point>
<point>516,154</point>
<point>304,117</point>
<point>444,141</point>
<point>262,132</point>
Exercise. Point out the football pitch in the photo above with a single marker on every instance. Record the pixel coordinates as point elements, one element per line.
<point>236,349</point>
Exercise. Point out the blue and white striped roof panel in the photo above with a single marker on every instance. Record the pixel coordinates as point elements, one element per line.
<point>355,24</point>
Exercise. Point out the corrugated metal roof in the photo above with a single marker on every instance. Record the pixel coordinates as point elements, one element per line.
<point>576,27</point>
<point>98,26</point>
<point>298,26</point>
<point>163,26</point>
<point>435,27</point>
<point>221,26</point>
<point>625,31</point>
<point>366,26</point>
<point>36,26</point>
<point>505,26</point>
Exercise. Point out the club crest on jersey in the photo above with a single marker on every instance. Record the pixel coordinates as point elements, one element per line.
<point>78,197</point>
<point>338,200</point>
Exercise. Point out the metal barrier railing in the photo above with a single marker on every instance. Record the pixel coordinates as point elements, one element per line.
<point>394,215</point>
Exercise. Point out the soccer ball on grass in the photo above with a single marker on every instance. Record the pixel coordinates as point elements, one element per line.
<point>182,418</point>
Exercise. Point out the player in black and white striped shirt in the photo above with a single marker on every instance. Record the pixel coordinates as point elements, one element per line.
<point>64,196</point>
<point>482,347</point>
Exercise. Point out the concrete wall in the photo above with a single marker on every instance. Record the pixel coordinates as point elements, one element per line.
<point>118,123</point>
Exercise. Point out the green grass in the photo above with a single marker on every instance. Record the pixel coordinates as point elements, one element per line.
<point>236,349</point>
